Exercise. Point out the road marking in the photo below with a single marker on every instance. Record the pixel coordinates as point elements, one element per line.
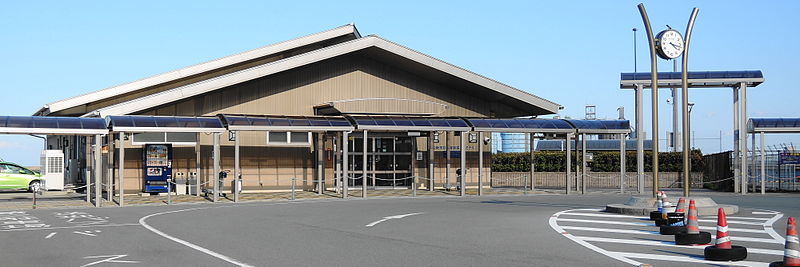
<point>70,227</point>
<point>735,222</point>
<point>392,217</point>
<point>50,235</point>
<point>110,259</point>
<point>670,244</point>
<point>88,233</point>
<point>645,232</point>
<point>770,231</point>
<point>186,243</point>
<point>559,229</point>
<point>687,259</point>
<point>605,215</point>
<point>765,212</point>
<point>714,228</point>
<point>744,218</point>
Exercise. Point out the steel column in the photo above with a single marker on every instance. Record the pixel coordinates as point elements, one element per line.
<point>622,163</point>
<point>583,164</point>
<point>569,163</point>
<point>110,167</point>
<point>430,162</point>
<point>237,172</point>
<point>480,163</point>
<point>763,165</point>
<point>640,138</point>
<point>197,165</point>
<point>215,176</point>
<point>447,168</point>
<point>364,166</point>
<point>736,133</point>
<point>345,164</point>
<point>685,103</point>
<point>320,162</point>
<point>462,177</point>
<point>654,94</point>
<point>121,159</point>
<point>98,170</point>
<point>530,149</point>
<point>743,136</point>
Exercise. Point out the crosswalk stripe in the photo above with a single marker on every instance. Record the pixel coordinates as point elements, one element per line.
<point>734,222</point>
<point>669,244</point>
<point>651,224</point>
<point>645,232</point>
<point>742,218</point>
<point>686,259</point>
<point>765,213</point>
<point>605,215</point>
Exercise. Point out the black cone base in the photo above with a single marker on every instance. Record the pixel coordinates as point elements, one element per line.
<point>655,215</point>
<point>675,217</point>
<point>735,253</point>
<point>672,230</point>
<point>692,239</point>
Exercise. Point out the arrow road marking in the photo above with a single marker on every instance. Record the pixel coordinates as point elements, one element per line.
<point>392,217</point>
<point>110,259</point>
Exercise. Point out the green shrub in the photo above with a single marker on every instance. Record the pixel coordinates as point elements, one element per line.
<point>605,161</point>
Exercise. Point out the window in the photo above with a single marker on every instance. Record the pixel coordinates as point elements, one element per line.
<point>162,137</point>
<point>289,138</point>
<point>12,169</point>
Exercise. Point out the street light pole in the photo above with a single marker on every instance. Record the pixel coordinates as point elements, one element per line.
<point>634,49</point>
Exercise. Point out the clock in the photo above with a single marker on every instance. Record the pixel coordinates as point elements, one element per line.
<point>669,44</point>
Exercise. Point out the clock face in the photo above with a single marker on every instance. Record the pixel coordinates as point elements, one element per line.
<point>670,44</point>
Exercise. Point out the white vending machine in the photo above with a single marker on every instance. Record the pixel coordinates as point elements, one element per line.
<point>53,169</point>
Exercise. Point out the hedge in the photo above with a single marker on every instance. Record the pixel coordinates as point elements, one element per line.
<point>608,161</point>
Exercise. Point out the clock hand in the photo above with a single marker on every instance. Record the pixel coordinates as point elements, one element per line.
<point>676,46</point>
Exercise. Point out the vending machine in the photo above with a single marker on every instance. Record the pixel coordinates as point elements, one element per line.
<point>157,167</point>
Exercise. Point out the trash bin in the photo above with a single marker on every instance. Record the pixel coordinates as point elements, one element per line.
<point>236,185</point>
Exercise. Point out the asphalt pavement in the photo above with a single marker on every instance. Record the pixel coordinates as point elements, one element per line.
<point>431,231</point>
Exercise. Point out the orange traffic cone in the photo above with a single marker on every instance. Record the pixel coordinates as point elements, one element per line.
<point>791,252</point>
<point>693,236</point>
<point>675,220</point>
<point>723,250</point>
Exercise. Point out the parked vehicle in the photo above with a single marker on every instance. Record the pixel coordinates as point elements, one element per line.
<point>15,177</point>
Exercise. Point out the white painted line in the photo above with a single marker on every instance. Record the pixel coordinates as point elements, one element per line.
<point>186,243</point>
<point>606,222</point>
<point>733,222</point>
<point>645,232</point>
<point>670,244</point>
<point>392,217</point>
<point>605,215</point>
<point>110,259</point>
<point>559,229</point>
<point>50,235</point>
<point>768,227</point>
<point>765,212</point>
<point>84,233</point>
<point>740,230</point>
<point>744,218</point>
<point>687,259</point>
<point>70,227</point>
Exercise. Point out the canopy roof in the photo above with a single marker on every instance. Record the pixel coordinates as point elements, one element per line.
<point>696,79</point>
<point>164,124</point>
<point>601,126</point>
<point>285,123</point>
<point>521,125</point>
<point>52,125</point>
<point>773,125</point>
<point>403,123</point>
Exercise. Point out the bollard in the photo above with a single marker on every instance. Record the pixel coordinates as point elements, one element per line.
<point>169,191</point>
<point>34,198</point>
<point>294,180</point>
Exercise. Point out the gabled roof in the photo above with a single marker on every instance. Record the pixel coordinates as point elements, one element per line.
<point>110,92</point>
<point>540,105</point>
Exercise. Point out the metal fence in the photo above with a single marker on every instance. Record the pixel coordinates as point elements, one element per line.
<point>594,180</point>
<point>780,175</point>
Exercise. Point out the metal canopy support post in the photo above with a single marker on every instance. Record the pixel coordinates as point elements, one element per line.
<point>654,94</point>
<point>447,160</point>
<point>622,163</point>
<point>480,163</point>
<point>583,164</point>
<point>237,171</point>
<point>685,103</point>
<point>364,166</point>
<point>736,133</point>
<point>215,176</point>
<point>462,181</point>
<point>569,163</point>
<point>743,136</point>
<point>345,165</point>
<point>197,166</point>
<point>121,159</point>
<point>763,165</point>
<point>530,149</point>
<point>98,170</point>
<point>110,167</point>
<point>640,138</point>
<point>577,163</point>
<point>430,161</point>
<point>320,167</point>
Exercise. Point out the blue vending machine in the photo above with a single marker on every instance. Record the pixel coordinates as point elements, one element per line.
<point>157,167</point>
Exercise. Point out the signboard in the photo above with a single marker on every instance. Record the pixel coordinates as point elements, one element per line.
<point>789,158</point>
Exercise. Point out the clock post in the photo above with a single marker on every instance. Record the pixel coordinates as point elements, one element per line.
<point>669,44</point>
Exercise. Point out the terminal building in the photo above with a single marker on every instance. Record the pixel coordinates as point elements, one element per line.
<point>304,110</point>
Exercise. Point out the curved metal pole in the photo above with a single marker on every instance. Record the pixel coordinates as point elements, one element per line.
<point>654,98</point>
<point>685,102</point>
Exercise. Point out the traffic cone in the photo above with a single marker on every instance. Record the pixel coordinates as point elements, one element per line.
<point>675,220</point>
<point>791,251</point>
<point>663,219</point>
<point>659,205</point>
<point>664,200</point>
<point>693,235</point>
<point>723,250</point>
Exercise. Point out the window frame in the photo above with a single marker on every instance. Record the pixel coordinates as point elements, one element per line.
<point>289,143</point>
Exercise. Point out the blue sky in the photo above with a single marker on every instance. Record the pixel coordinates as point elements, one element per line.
<point>570,52</point>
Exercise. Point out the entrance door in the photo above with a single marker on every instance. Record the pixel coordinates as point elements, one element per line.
<point>388,161</point>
